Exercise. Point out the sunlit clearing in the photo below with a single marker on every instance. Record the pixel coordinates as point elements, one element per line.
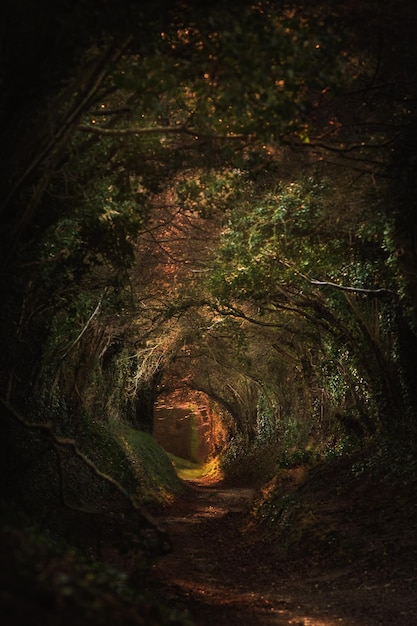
<point>209,471</point>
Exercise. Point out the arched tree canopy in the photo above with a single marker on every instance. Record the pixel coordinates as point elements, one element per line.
<point>218,200</point>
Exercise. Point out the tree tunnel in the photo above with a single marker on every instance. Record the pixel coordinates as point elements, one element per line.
<point>187,426</point>
<point>196,265</point>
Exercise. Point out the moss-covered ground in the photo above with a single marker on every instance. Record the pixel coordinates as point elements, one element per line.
<point>87,559</point>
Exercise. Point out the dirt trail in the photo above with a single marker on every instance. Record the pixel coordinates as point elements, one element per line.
<point>224,575</point>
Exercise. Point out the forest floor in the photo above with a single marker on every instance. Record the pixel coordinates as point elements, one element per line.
<point>226,570</point>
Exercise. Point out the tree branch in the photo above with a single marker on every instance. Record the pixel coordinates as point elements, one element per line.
<point>93,314</point>
<point>45,429</point>
<point>50,148</point>
<point>148,130</point>
<point>325,283</point>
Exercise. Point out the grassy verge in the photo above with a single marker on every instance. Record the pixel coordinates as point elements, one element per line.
<point>154,476</point>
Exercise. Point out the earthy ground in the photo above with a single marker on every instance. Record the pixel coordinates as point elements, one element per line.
<point>224,571</point>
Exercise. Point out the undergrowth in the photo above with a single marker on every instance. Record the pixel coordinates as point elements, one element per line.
<point>359,506</point>
<point>87,558</point>
<point>43,582</point>
<point>154,479</point>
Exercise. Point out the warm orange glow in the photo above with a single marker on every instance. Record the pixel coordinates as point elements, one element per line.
<point>187,426</point>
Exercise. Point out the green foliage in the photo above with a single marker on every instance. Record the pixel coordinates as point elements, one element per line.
<point>132,458</point>
<point>191,114</point>
<point>282,511</point>
<point>235,69</point>
<point>107,452</point>
<point>280,239</point>
<point>344,509</point>
<point>47,580</point>
<point>210,193</point>
<point>153,478</point>
<point>285,249</point>
<point>85,493</point>
<point>298,457</point>
<point>305,526</point>
<point>248,463</point>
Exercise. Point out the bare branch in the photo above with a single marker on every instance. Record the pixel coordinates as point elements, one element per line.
<point>95,80</point>
<point>92,316</point>
<point>46,430</point>
<point>148,130</point>
<point>325,283</point>
<point>122,132</point>
<point>376,292</point>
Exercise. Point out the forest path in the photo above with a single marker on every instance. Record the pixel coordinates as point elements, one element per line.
<point>224,574</point>
<point>205,572</point>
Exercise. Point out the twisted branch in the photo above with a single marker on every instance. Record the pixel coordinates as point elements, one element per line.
<point>58,443</point>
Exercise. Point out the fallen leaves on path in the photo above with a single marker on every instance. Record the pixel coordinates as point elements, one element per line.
<point>226,573</point>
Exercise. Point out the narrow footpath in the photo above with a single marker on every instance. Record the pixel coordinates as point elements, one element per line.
<point>224,574</point>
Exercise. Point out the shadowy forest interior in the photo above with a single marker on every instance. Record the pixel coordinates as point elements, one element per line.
<point>209,277</point>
